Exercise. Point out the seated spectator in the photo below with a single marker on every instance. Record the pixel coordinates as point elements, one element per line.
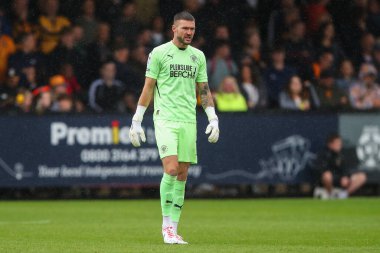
<point>66,52</point>
<point>21,19</point>
<point>220,65</point>
<point>105,93</point>
<point>329,95</point>
<point>276,76</point>
<point>333,171</point>
<point>346,77</point>
<point>137,64</point>
<point>128,25</point>
<point>42,100</point>
<point>64,104</point>
<point>58,87</point>
<point>249,87</point>
<point>295,96</point>
<point>124,71</point>
<point>27,56</point>
<point>364,54</point>
<point>88,21</point>
<point>24,101</point>
<point>73,86</point>
<point>326,41</point>
<point>98,51</point>
<point>325,63</point>
<point>7,47</point>
<point>298,49</point>
<point>51,25</point>
<point>228,98</point>
<point>365,94</point>
<point>8,92</point>
<point>376,58</point>
<point>30,82</point>
<point>158,31</point>
<point>253,49</point>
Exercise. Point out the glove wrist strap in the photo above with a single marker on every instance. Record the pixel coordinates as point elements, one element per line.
<point>139,114</point>
<point>211,115</point>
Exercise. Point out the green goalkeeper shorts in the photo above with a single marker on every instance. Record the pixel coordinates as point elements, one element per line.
<point>177,138</point>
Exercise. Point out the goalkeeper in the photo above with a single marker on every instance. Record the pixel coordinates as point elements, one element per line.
<point>174,71</point>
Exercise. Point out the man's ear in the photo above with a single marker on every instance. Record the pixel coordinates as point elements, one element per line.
<point>174,27</point>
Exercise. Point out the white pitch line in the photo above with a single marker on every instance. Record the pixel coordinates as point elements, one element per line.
<point>32,222</point>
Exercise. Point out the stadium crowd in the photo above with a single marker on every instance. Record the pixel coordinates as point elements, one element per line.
<point>90,56</point>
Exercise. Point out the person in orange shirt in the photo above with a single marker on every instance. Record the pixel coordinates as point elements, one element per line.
<point>7,47</point>
<point>51,25</point>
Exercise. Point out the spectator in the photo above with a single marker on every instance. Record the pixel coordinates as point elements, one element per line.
<point>325,63</point>
<point>5,26</point>
<point>8,92</point>
<point>24,101</point>
<point>124,71</point>
<point>276,76</point>
<point>51,25</point>
<point>346,78</point>
<point>30,74</point>
<point>128,26</point>
<point>376,58</point>
<point>295,96</point>
<point>317,14</point>
<point>364,55</point>
<point>253,50</point>
<point>21,20</point>
<point>58,86</point>
<point>98,51</point>
<point>326,41</point>
<point>228,98</point>
<point>28,56</point>
<point>42,101</point>
<point>137,65</point>
<point>298,49</point>
<point>88,21</point>
<point>66,52</point>
<point>329,95</point>
<point>65,104</point>
<point>105,93</point>
<point>158,31</point>
<point>333,171</point>
<point>277,21</point>
<point>250,88</point>
<point>373,18</point>
<point>220,65</point>
<point>73,86</point>
<point>366,93</point>
<point>7,47</point>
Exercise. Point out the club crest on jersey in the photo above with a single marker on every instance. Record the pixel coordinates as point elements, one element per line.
<point>193,58</point>
<point>164,149</point>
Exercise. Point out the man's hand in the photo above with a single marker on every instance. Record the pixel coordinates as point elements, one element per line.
<point>136,133</point>
<point>213,128</point>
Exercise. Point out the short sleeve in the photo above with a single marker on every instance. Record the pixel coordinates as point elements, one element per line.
<point>153,65</point>
<point>202,73</point>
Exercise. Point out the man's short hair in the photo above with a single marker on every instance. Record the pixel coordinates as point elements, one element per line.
<point>184,15</point>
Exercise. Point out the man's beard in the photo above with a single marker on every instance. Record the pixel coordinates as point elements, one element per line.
<point>180,39</point>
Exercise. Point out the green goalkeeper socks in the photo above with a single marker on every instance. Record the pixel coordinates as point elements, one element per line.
<point>166,193</point>
<point>178,199</point>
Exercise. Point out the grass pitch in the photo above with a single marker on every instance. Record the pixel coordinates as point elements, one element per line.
<point>298,225</point>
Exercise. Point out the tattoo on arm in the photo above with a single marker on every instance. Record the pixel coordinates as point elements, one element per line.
<point>205,95</point>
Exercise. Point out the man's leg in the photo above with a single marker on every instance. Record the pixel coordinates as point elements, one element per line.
<point>328,181</point>
<point>170,164</point>
<point>357,180</point>
<point>179,194</point>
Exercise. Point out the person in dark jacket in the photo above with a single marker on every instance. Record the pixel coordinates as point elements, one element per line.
<point>334,170</point>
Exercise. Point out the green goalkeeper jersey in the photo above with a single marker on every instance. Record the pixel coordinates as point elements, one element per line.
<point>177,71</point>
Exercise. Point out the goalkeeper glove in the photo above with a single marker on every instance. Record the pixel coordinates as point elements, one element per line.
<point>136,133</point>
<point>213,126</point>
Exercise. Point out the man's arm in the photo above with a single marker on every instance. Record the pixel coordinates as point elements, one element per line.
<point>136,132</point>
<point>205,95</point>
<point>208,106</point>
<point>147,93</point>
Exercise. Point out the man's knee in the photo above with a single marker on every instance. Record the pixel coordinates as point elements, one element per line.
<point>171,165</point>
<point>183,171</point>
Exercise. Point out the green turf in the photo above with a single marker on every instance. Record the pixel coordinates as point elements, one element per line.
<point>298,225</point>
